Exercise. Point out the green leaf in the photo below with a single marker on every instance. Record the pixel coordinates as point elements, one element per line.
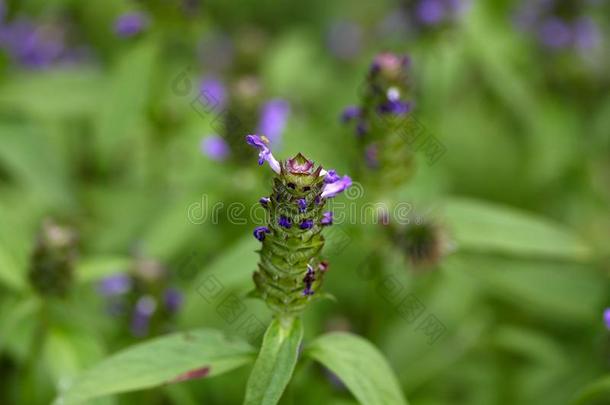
<point>275,363</point>
<point>95,268</point>
<point>598,390</point>
<point>485,227</point>
<point>360,366</point>
<point>172,358</point>
<point>11,274</point>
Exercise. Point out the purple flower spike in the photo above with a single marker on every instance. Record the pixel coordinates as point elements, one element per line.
<point>285,222</point>
<point>332,189</point>
<point>264,153</point>
<point>274,116</point>
<point>607,318</point>
<point>130,24</point>
<point>144,310</point>
<point>213,89</point>
<point>215,147</point>
<point>327,219</point>
<point>264,201</point>
<point>350,113</point>
<point>115,285</point>
<point>302,204</point>
<point>331,176</point>
<point>259,232</point>
<point>173,300</point>
<point>306,224</point>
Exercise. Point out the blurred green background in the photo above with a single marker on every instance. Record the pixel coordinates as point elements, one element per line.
<point>103,129</point>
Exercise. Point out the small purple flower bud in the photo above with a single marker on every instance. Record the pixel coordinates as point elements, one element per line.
<point>215,147</point>
<point>332,189</point>
<point>302,203</point>
<point>607,318</point>
<point>285,222</point>
<point>173,300</point>
<point>331,176</point>
<point>115,285</point>
<point>130,24</point>
<point>259,232</point>
<point>214,91</point>
<point>264,154</point>
<point>327,219</point>
<point>350,113</point>
<point>274,116</point>
<point>264,201</point>
<point>306,224</point>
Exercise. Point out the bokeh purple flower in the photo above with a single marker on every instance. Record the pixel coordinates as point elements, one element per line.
<point>131,24</point>
<point>115,285</point>
<point>344,39</point>
<point>142,314</point>
<point>214,91</point>
<point>273,118</point>
<point>215,147</point>
<point>173,300</point>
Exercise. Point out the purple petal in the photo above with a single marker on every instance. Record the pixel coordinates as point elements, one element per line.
<point>331,176</point>
<point>259,232</point>
<point>115,285</point>
<point>430,12</point>
<point>607,318</point>
<point>306,224</point>
<point>327,219</point>
<point>285,222</point>
<point>264,153</point>
<point>130,24</point>
<point>215,147</point>
<point>274,116</point>
<point>332,189</point>
<point>213,89</point>
<point>144,309</point>
<point>173,300</point>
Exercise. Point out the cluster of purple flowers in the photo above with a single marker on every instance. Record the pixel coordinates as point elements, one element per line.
<point>559,25</point>
<point>384,99</point>
<point>141,297</point>
<point>272,118</point>
<point>31,44</point>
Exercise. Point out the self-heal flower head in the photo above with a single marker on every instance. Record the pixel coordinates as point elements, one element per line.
<point>131,24</point>
<point>215,147</point>
<point>273,119</point>
<point>290,272</point>
<point>264,153</point>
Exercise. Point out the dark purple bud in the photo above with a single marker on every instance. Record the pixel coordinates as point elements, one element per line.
<point>302,203</point>
<point>350,113</point>
<point>309,278</point>
<point>327,219</point>
<point>115,285</point>
<point>306,224</point>
<point>130,24</point>
<point>264,201</point>
<point>396,107</point>
<point>259,232</point>
<point>173,300</point>
<point>285,222</point>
